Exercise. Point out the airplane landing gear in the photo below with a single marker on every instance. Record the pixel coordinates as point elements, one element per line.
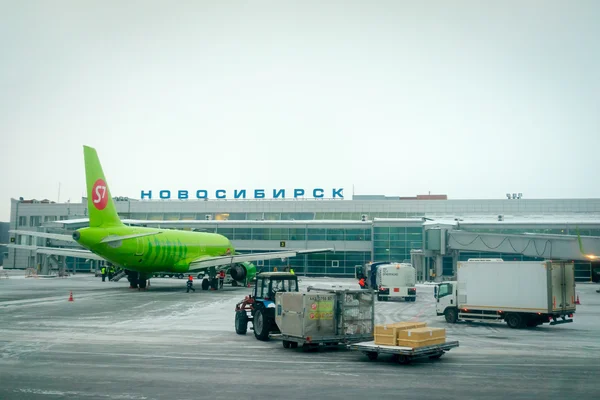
<point>132,277</point>
<point>137,280</point>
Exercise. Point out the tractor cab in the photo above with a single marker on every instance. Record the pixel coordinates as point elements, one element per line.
<point>260,307</point>
<point>269,283</point>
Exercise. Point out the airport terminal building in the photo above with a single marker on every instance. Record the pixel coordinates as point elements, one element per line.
<point>366,228</point>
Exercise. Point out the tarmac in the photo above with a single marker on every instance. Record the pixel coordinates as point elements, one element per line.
<point>113,342</point>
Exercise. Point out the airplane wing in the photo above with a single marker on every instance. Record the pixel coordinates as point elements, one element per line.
<point>55,236</point>
<point>57,251</point>
<point>69,238</point>
<point>203,263</point>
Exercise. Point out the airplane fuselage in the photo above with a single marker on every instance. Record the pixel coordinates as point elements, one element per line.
<point>166,250</point>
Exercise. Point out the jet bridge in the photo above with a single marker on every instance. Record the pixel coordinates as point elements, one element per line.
<point>444,240</point>
<point>552,247</point>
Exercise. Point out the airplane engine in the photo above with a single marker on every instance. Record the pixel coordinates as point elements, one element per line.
<point>238,273</point>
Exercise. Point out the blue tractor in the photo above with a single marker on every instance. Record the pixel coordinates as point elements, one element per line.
<point>259,308</point>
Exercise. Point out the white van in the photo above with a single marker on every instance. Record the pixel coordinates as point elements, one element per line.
<point>396,281</point>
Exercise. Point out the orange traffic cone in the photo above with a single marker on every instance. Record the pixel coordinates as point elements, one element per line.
<point>71,297</point>
<point>577,302</point>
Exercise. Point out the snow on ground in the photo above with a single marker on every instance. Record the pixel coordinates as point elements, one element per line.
<point>162,341</point>
<point>37,309</point>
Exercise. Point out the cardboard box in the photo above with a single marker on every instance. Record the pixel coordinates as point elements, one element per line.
<point>420,343</point>
<point>388,334</point>
<point>390,329</point>
<point>423,333</point>
<point>388,340</point>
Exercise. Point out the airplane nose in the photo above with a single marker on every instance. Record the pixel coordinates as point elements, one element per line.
<point>76,236</point>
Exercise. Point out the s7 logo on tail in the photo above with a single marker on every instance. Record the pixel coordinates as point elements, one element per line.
<point>100,194</point>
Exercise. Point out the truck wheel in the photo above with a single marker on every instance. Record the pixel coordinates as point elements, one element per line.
<point>372,355</point>
<point>436,356</point>
<point>515,321</point>
<point>451,315</point>
<point>294,345</point>
<point>287,344</point>
<point>261,325</point>
<point>241,322</point>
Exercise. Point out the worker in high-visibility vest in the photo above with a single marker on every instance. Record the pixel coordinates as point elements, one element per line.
<point>190,284</point>
<point>292,271</point>
<point>221,278</point>
<point>103,271</point>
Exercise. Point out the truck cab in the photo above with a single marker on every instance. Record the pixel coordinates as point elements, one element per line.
<point>259,308</point>
<point>446,297</point>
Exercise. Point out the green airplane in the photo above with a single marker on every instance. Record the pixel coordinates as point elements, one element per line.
<point>141,251</point>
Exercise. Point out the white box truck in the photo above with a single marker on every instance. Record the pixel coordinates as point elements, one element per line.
<point>396,281</point>
<point>522,293</point>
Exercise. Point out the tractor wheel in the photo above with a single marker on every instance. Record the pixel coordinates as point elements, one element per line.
<point>241,322</point>
<point>262,325</point>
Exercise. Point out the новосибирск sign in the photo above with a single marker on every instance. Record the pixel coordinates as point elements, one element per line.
<point>201,194</point>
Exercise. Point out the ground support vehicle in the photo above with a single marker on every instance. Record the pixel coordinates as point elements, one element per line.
<point>396,281</point>
<point>318,316</point>
<point>403,355</point>
<point>522,293</point>
<point>325,316</point>
<point>259,308</point>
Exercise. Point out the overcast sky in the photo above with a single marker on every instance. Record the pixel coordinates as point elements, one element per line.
<point>472,99</point>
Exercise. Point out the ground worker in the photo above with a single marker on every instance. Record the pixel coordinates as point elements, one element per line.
<point>292,271</point>
<point>190,284</point>
<point>103,272</point>
<point>361,282</point>
<point>221,278</point>
<point>111,272</point>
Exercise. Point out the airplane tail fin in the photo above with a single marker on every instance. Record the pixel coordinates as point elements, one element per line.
<point>101,208</point>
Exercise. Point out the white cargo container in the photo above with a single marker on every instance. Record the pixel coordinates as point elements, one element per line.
<point>396,281</point>
<point>522,293</point>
